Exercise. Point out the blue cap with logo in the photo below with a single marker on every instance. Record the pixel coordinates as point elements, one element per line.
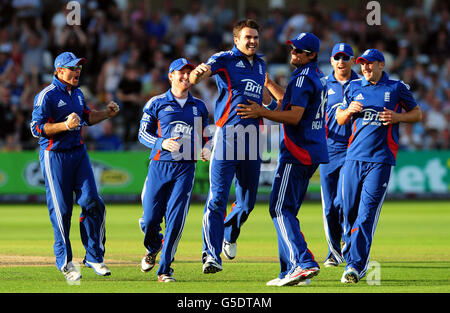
<point>67,59</point>
<point>306,41</point>
<point>179,64</point>
<point>370,55</point>
<point>342,48</point>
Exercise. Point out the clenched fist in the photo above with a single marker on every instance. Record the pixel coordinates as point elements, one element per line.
<point>72,121</point>
<point>112,109</point>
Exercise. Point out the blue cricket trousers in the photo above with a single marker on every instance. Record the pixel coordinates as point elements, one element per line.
<point>217,225</point>
<point>331,202</point>
<point>166,194</point>
<point>288,192</point>
<point>66,173</point>
<point>364,188</point>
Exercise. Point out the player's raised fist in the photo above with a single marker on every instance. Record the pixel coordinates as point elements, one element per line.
<point>112,109</point>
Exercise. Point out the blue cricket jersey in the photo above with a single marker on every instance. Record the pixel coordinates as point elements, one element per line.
<point>52,105</point>
<point>237,80</point>
<point>370,140</point>
<point>305,143</point>
<point>337,135</point>
<point>164,118</point>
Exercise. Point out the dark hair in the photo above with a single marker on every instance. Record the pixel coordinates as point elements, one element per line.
<point>244,23</point>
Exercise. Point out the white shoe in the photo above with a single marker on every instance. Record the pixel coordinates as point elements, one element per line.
<point>99,268</point>
<point>71,273</point>
<point>229,249</point>
<point>148,261</point>
<point>273,282</point>
<point>166,278</point>
<point>211,266</point>
<point>298,275</point>
<point>331,262</point>
<point>350,276</point>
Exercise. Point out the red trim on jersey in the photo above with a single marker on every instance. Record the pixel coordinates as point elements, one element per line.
<point>326,125</point>
<point>158,154</point>
<point>353,134</point>
<point>299,153</point>
<point>50,140</point>
<point>353,230</point>
<point>393,146</point>
<point>226,112</point>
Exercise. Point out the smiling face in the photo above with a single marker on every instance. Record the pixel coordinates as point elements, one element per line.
<point>342,69</point>
<point>180,79</point>
<point>372,71</point>
<point>247,41</point>
<point>70,77</point>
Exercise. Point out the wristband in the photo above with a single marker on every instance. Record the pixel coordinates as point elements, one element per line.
<point>272,105</point>
<point>67,125</point>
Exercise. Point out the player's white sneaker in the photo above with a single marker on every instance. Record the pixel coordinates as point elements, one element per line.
<point>211,266</point>
<point>298,275</point>
<point>148,261</point>
<point>166,278</point>
<point>229,249</point>
<point>331,262</point>
<point>350,276</point>
<point>71,273</point>
<point>99,268</point>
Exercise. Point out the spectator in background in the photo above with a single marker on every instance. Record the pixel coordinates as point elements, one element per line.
<point>34,47</point>
<point>5,58</point>
<point>110,77</point>
<point>109,140</point>
<point>129,95</point>
<point>7,113</point>
<point>120,26</point>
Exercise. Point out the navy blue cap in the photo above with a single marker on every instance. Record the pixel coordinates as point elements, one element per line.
<point>371,55</point>
<point>179,64</point>
<point>342,48</point>
<point>306,41</point>
<point>67,59</point>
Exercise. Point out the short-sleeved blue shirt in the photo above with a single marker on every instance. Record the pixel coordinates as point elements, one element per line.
<point>370,140</point>
<point>237,80</point>
<point>305,143</point>
<point>337,135</point>
<point>52,105</point>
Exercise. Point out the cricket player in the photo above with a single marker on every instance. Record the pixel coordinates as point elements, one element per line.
<point>374,105</point>
<point>302,148</point>
<point>59,112</point>
<point>337,140</point>
<point>240,76</point>
<point>172,125</point>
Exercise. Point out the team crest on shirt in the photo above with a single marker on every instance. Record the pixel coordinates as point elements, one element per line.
<point>387,96</point>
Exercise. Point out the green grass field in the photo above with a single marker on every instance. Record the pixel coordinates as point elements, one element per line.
<point>411,245</point>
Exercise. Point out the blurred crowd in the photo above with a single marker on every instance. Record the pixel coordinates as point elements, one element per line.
<point>130,44</point>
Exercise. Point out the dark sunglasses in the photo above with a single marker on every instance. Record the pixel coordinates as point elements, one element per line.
<point>342,56</point>
<point>298,51</point>
<point>74,68</point>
